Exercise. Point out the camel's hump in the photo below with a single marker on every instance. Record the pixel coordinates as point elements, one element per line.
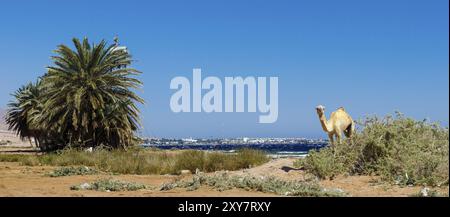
<point>341,108</point>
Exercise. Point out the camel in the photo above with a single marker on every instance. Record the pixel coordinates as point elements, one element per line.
<point>340,121</point>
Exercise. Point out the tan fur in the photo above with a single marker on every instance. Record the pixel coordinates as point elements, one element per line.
<point>340,121</point>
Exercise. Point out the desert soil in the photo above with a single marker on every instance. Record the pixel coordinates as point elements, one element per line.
<point>19,180</point>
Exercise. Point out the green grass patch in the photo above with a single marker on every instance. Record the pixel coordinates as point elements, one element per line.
<point>12,157</point>
<point>398,149</point>
<point>144,161</point>
<point>216,161</point>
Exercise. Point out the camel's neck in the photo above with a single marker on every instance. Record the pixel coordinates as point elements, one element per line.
<point>324,123</point>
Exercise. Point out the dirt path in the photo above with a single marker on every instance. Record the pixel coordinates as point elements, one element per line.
<point>358,186</point>
<point>281,168</point>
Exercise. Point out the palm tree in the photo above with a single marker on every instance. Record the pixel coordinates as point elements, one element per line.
<point>88,96</point>
<point>24,110</point>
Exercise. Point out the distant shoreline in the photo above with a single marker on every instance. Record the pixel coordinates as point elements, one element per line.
<point>296,150</point>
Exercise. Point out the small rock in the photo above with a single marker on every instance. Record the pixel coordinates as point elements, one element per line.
<point>85,186</point>
<point>108,191</point>
<point>334,190</point>
<point>185,172</point>
<point>424,192</point>
<point>197,171</point>
<point>338,190</point>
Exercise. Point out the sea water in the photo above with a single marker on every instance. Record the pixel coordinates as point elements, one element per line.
<point>273,150</point>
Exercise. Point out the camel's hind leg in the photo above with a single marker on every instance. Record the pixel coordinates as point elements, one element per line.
<point>350,130</point>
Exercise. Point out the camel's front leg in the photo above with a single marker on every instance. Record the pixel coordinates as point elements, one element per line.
<point>331,138</point>
<point>333,145</point>
<point>339,137</point>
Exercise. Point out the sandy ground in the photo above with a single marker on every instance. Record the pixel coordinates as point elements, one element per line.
<point>18,180</point>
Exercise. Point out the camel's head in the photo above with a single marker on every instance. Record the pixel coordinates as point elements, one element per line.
<point>320,109</point>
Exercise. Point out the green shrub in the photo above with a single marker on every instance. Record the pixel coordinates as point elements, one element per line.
<point>110,185</point>
<point>270,184</point>
<point>329,162</point>
<point>72,171</point>
<point>425,192</point>
<point>399,149</point>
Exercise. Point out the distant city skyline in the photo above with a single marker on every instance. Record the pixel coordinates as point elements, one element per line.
<point>371,57</point>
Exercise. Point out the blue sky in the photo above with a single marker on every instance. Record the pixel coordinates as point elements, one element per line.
<point>372,57</point>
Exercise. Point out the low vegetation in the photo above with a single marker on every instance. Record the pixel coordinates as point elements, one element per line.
<point>224,181</point>
<point>398,149</point>
<point>142,161</point>
<point>110,185</point>
<point>12,157</point>
<point>72,171</point>
<point>215,161</point>
<point>426,192</point>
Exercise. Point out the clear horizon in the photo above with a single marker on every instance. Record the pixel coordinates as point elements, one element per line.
<point>371,57</point>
